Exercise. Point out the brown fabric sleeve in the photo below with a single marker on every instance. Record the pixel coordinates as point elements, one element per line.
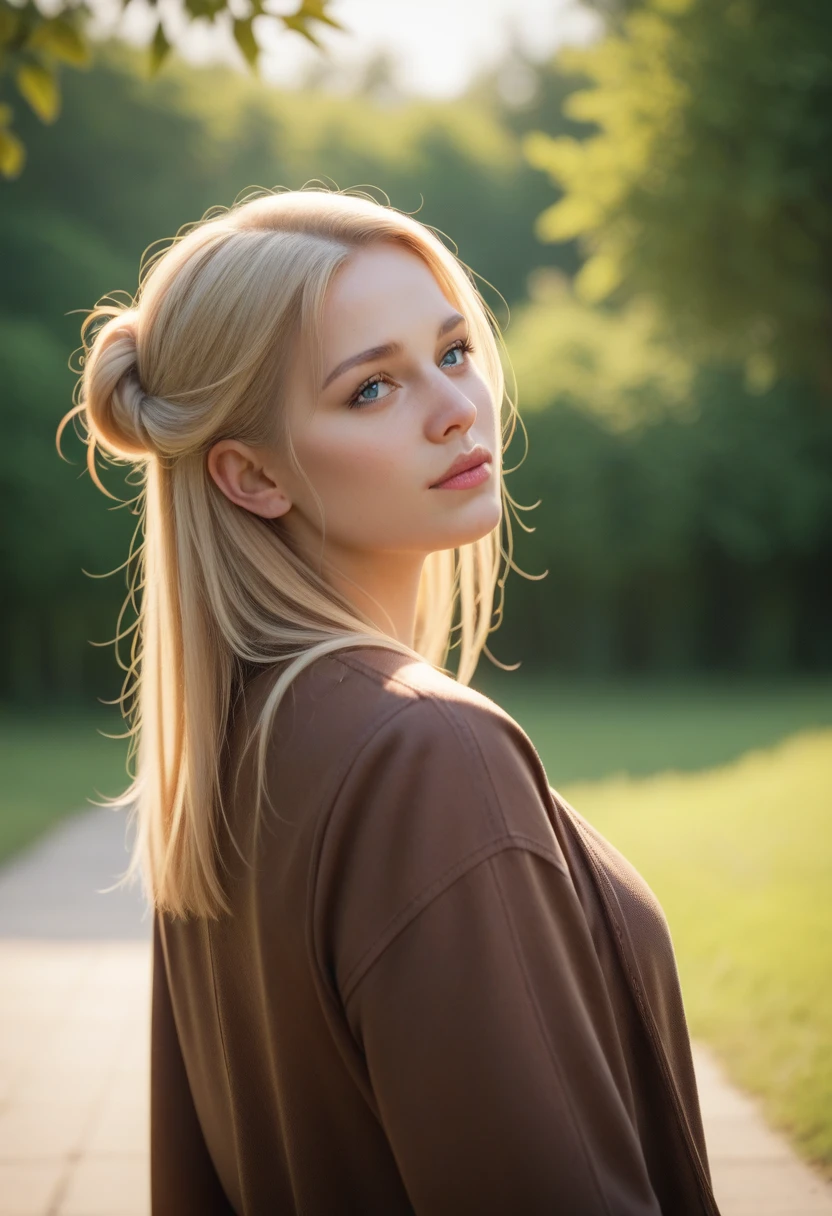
<point>183,1181</point>
<point>492,1051</point>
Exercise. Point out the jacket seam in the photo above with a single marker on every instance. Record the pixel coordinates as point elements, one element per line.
<point>406,915</point>
<point>458,721</point>
<point>366,669</point>
<point>469,741</point>
<point>463,732</point>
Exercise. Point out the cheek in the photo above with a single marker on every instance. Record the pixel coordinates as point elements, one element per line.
<point>353,472</point>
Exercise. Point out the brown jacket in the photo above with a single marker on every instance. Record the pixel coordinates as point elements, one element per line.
<point>441,991</point>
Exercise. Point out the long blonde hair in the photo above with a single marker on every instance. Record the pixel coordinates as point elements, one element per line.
<point>201,354</point>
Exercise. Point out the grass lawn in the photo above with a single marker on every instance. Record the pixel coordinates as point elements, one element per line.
<point>54,765</point>
<point>585,731</point>
<point>740,857</point>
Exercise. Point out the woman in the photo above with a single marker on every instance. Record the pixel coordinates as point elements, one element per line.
<point>420,981</point>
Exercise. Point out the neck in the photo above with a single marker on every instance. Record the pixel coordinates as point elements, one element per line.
<point>384,586</point>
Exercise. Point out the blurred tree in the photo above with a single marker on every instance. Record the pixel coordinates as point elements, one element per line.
<point>32,45</point>
<point>684,523</point>
<point>614,364</point>
<point>707,185</point>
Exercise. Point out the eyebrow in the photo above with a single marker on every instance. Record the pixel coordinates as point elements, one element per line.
<point>389,348</point>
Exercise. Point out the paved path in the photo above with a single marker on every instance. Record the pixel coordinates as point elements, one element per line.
<point>74,1038</point>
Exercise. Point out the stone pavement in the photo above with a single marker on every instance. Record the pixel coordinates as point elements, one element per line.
<point>75,968</point>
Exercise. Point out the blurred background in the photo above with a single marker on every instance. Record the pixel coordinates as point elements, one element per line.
<point>643,187</point>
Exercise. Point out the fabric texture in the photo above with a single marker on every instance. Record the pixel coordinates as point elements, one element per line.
<point>441,990</point>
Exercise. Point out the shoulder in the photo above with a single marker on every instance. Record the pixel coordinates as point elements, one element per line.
<point>366,694</point>
<point>382,719</point>
<point>386,682</point>
<point>413,713</point>
<point>441,779</point>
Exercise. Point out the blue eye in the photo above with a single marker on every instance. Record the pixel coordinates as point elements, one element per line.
<point>463,346</point>
<point>361,396</point>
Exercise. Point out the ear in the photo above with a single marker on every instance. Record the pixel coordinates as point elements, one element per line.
<point>248,477</point>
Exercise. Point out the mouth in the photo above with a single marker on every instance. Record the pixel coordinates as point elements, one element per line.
<point>469,463</point>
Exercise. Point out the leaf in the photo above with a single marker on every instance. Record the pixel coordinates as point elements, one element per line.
<point>60,38</point>
<point>315,10</point>
<point>298,24</point>
<point>12,154</point>
<point>244,37</point>
<point>39,86</point>
<point>159,49</point>
<point>310,10</point>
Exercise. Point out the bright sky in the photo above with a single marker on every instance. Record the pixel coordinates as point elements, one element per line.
<point>436,44</point>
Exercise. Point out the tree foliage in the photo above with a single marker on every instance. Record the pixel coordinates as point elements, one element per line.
<point>614,364</point>
<point>33,46</point>
<point>683,522</point>
<point>707,183</point>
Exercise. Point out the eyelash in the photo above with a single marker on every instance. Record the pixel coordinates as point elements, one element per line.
<point>379,378</point>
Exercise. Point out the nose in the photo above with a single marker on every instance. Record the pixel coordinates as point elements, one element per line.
<point>450,407</point>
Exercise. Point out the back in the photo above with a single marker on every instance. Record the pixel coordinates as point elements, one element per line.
<point>415,1005</point>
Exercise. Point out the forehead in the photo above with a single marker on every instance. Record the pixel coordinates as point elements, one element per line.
<point>379,288</point>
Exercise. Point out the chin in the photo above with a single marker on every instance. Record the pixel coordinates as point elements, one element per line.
<point>479,523</point>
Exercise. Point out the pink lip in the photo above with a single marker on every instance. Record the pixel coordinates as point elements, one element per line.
<point>464,481</point>
<point>463,464</point>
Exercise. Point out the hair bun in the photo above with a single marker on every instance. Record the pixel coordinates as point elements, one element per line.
<point>111,388</point>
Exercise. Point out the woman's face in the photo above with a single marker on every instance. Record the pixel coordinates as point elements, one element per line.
<point>383,427</point>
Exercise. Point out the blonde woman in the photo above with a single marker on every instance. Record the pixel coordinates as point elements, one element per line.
<point>394,970</point>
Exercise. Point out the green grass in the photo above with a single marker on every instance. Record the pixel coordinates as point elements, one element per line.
<point>587,731</point>
<point>54,765</point>
<point>740,857</point>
